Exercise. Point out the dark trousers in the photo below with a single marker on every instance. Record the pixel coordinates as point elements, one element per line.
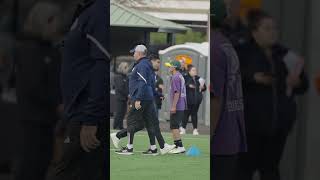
<point>120,114</point>
<point>193,112</point>
<point>35,151</point>
<point>144,117</point>
<point>76,164</point>
<point>264,155</point>
<point>224,167</point>
<point>157,132</point>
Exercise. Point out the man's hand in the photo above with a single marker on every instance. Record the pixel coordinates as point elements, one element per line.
<point>137,105</point>
<point>88,139</point>
<point>173,110</point>
<point>191,86</point>
<point>262,78</point>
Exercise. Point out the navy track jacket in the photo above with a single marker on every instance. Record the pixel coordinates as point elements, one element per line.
<point>85,67</point>
<point>142,81</point>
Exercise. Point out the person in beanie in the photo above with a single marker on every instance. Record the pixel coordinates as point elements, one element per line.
<point>227,112</point>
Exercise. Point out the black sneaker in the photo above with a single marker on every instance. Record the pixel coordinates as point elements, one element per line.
<point>150,152</point>
<point>125,151</point>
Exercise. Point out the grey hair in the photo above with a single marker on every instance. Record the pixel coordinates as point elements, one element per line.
<point>122,68</point>
<point>37,19</point>
<point>144,53</point>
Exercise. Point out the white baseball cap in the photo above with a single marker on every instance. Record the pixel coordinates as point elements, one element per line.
<point>139,48</point>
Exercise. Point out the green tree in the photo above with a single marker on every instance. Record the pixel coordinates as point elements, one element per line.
<point>189,36</point>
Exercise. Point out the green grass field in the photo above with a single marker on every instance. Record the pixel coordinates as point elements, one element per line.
<point>161,167</point>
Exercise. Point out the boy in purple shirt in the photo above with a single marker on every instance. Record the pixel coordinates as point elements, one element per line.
<point>227,116</point>
<point>178,100</point>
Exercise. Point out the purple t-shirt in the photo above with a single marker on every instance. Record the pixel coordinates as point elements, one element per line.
<point>178,86</point>
<point>226,83</point>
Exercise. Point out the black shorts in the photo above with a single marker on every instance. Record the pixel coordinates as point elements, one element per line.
<point>176,119</point>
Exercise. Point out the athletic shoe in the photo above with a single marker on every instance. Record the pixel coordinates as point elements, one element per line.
<point>182,130</point>
<point>167,148</point>
<point>178,150</point>
<point>125,151</point>
<point>115,140</point>
<point>150,152</point>
<point>195,132</point>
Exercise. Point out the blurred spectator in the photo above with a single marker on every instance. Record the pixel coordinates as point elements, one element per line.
<point>195,85</point>
<point>227,118</point>
<point>159,89</point>
<point>6,61</point>
<point>183,69</point>
<point>122,93</point>
<point>38,92</point>
<point>8,105</point>
<point>233,28</point>
<point>269,110</point>
<point>6,18</point>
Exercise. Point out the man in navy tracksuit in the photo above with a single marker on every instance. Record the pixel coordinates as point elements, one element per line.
<point>142,110</point>
<point>85,83</point>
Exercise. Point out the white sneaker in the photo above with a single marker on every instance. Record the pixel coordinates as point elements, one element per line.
<point>195,132</point>
<point>178,150</point>
<point>115,140</point>
<point>182,130</point>
<point>167,148</point>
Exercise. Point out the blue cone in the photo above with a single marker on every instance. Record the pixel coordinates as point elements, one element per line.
<point>193,152</point>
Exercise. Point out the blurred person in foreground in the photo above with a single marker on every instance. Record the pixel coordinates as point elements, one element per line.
<point>85,89</point>
<point>122,93</point>
<point>8,103</point>
<point>272,77</point>
<point>228,138</point>
<point>195,86</point>
<point>233,27</point>
<point>38,93</point>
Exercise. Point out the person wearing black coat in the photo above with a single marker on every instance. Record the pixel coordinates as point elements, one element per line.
<point>194,98</point>
<point>269,111</point>
<point>122,92</point>
<point>37,65</point>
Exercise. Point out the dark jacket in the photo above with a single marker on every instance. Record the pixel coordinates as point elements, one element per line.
<point>238,35</point>
<point>85,68</point>
<point>121,86</point>
<point>157,99</point>
<point>142,81</point>
<point>267,108</point>
<point>37,80</point>
<point>194,96</point>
